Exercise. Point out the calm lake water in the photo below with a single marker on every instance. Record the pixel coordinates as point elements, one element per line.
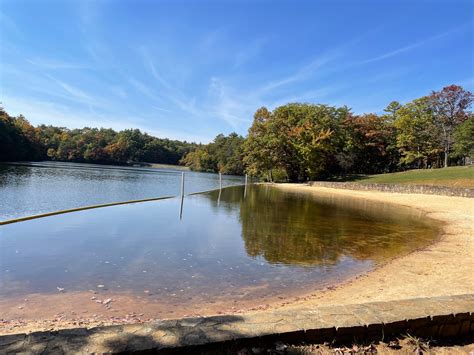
<point>266,243</point>
<point>33,188</point>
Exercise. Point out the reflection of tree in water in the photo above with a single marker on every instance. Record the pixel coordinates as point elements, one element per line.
<point>13,175</point>
<point>295,229</point>
<point>230,199</point>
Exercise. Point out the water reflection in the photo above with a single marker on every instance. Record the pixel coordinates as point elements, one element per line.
<point>294,228</point>
<point>233,242</point>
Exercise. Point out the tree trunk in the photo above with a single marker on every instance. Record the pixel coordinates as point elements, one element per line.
<point>446,154</point>
<point>446,146</point>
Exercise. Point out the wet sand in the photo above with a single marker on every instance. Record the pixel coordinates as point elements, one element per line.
<point>71,309</point>
<point>444,268</point>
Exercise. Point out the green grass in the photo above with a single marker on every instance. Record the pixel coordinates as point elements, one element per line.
<point>456,176</point>
<point>169,166</point>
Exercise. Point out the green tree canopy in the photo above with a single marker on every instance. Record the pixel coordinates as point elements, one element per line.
<point>449,108</point>
<point>464,139</point>
<point>223,155</point>
<point>418,138</point>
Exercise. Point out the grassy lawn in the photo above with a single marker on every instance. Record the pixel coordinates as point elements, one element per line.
<point>456,176</point>
<point>168,166</point>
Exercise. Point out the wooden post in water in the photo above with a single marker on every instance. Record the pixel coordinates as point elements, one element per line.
<point>220,190</point>
<point>245,188</point>
<point>181,208</point>
<point>182,197</point>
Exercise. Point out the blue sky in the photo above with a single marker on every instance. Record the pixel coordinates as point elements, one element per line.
<point>193,69</point>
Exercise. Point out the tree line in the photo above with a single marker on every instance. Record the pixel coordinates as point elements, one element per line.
<point>19,140</point>
<point>294,142</point>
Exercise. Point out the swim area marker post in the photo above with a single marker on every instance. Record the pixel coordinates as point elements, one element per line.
<point>220,190</point>
<point>245,188</point>
<point>182,196</point>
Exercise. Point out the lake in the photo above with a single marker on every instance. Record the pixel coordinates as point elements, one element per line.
<point>227,249</point>
<point>39,187</point>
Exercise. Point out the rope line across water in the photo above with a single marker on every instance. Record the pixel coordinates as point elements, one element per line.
<point>77,209</point>
<point>21,219</point>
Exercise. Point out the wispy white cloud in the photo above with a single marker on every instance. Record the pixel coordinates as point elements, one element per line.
<point>236,105</point>
<point>144,89</point>
<point>73,91</point>
<point>412,46</point>
<point>232,106</point>
<point>49,86</point>
<point>169,94</point>
<point>304,73</point>
<point>313,66</point>
<point>78,95</point>
<point>161,109</point>
<point>149,64</point>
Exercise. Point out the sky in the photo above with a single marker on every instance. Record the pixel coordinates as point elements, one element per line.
<point>190,70</point>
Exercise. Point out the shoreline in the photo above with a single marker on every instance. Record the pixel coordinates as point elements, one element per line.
<point>441,269</point>
<point>427,272</point>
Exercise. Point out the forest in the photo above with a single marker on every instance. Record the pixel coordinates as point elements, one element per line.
<point>19,140</point>
<point>294,142</point>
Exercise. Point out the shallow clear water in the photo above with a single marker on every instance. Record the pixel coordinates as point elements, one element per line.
<point>266,243</point>
<point>33,188</point>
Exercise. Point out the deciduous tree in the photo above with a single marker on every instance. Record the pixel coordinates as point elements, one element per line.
<point>449,108</point>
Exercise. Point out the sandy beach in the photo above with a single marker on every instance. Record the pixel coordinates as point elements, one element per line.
<point>443,268</point>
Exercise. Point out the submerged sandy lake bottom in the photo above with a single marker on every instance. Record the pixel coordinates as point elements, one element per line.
<point>226,249</point>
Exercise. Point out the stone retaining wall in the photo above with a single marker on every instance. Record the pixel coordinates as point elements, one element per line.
<point>403,188</point>
<point>425,317</point>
